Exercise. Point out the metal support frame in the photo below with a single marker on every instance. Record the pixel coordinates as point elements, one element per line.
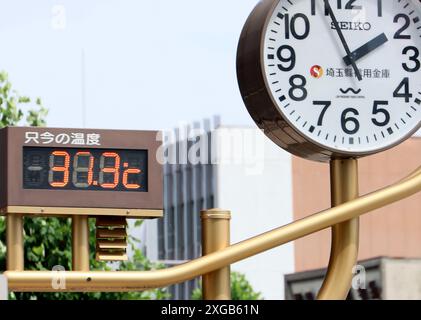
<point>14,241</point>
<point>216,236</point>
<point>80,243</point>
<point>140,280</point>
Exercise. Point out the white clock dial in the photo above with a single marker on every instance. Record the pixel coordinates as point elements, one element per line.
<point>346,74</point>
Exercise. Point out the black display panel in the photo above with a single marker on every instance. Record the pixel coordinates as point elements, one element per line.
<point>85,169</point>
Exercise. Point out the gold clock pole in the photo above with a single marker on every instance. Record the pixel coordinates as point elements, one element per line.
<point>345,236</point>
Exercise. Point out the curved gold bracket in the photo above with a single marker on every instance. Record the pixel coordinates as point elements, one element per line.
<point>140,280</point>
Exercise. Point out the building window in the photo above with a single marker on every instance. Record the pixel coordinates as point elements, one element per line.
<point>188,189</point>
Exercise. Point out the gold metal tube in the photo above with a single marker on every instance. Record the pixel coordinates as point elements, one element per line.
<point>14,242</point>
<point>216,236</point>
<point>140,280</point>
<point>345,236</point>
<point>80,243</point>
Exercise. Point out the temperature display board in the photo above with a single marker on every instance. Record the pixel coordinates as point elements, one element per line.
<point>79,169</point>
<point>56,171</point>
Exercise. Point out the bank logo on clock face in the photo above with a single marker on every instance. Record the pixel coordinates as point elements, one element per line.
<point>316,71</point>
<point>363,91</point>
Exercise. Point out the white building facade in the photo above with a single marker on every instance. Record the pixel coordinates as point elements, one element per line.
<point>243,172</point>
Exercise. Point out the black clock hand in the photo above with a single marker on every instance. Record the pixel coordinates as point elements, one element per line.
<point>366,49</point>
<point>344,43</point>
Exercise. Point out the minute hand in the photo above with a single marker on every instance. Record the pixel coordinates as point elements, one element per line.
<point>342,38</point>
<point>366,49</point>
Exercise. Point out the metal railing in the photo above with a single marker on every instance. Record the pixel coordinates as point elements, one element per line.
<point>214,265</point>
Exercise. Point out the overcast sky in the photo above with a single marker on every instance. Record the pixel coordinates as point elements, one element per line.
<point>148,64</point>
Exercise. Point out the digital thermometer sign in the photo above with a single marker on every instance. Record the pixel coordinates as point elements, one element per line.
<point>79,169</point>
<point>53,171</point>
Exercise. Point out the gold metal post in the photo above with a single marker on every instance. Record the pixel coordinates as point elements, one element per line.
<point>140,280</point>
<point>345,236</point>
<point>14,241</point>
<point>215,237</point>
<point>80,241</point>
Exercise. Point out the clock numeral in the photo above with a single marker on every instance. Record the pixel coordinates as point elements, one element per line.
<point>404,85</point>
<point>398,34</point>
<point>298,87</point>
<point>346,120</point>
<point>413,58</point>
<point>289,59</point>
<point>326,105</point>
<point>291,27</point>
<point>349,5</point>
<point>377,110</point>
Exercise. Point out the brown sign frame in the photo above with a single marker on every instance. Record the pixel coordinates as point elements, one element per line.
<point>15,199</point>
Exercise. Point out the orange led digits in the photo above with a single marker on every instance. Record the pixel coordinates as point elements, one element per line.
<point>79,169</point>
<point>114,170</point>
<point>64,169</point>
<point>85,169</point>
<point>125,178</point>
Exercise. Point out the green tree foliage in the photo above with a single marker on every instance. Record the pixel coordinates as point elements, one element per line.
<point>47,241</point>
<point>12,106</point>
<point>241,289</point>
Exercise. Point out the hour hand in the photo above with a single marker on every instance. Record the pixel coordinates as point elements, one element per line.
<point>366,49</point>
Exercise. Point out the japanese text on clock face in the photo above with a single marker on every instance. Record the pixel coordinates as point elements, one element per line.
<point>346,73</point>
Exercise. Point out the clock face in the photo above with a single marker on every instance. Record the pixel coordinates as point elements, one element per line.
<point>345,74</point>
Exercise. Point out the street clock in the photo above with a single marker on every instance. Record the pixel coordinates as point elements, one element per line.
<point>333,79</point>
